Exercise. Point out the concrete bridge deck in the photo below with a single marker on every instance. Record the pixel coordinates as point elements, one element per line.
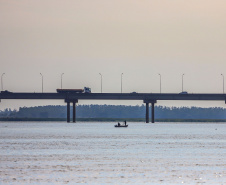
<point>113,96</point>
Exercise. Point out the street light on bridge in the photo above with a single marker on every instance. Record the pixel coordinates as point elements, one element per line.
<point>160,82</point>
<point>223,82</point>
<point>2,80</point>
<point>61,79</point>
<point>121,82</point>
<point>42,81</point>
<point>100,81</point>
<point>182,82</point>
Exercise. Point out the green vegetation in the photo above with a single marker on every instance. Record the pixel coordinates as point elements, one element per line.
<point>115,113</point>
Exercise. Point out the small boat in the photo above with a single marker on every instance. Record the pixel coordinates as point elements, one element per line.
<point>121,125</point>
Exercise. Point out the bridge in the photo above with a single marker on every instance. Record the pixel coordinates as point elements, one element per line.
<point>147,98</point>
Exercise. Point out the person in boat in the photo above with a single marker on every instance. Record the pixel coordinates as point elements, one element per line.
<point>118,124</point>
<point>125,122</point>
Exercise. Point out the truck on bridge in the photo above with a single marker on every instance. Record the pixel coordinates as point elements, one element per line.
<point>85,90</point>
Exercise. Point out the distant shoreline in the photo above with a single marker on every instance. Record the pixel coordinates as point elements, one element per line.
<point>112,119</point>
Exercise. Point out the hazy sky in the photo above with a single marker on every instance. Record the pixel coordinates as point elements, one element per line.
<point>140,38</point>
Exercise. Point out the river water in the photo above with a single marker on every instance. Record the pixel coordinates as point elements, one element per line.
<point>98,153</point>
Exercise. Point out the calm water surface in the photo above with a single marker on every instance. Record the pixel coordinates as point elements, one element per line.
<point>98,153</point>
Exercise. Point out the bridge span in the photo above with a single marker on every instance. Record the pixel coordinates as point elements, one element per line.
<point>145,97</point>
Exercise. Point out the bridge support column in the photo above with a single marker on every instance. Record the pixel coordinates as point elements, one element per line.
<point>147,112</point>
<point>68,112</point>
<point>73,101</point>
<point>74,112</point>
<point>153,110</point>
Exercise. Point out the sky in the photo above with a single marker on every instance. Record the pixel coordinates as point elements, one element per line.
<point>139,38</point>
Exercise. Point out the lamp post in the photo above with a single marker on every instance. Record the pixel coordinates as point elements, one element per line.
<point>160,83</point>
<point>100,81</point>
<point>182,82</point>
<point>121,82</point>
<point>42,81</point>
<point>2,80</point>
<point>223,82</point>
<point>61,79</point>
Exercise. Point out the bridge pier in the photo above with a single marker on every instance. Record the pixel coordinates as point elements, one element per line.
<point>68,112</point>
<point>73,112</point>
<point>152,109</point>
<point>153,112</point>
<point>147,112</point>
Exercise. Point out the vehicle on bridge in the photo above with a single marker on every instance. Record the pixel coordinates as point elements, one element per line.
<point>6,91</point>
<point>85,90</point>
<point>183,92</point>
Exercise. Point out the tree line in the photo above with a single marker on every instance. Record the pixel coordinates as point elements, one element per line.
<point>116,111</point>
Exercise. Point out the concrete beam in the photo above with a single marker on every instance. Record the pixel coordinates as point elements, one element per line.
<point>71,100</point>
<point>150,101</point>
